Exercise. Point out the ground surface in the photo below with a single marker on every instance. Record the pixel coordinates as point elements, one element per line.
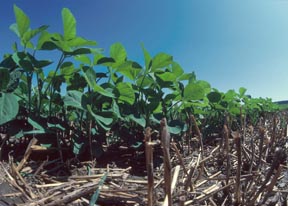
<point>221,175</point>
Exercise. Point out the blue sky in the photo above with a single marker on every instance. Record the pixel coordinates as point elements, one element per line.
<point>230,44</point>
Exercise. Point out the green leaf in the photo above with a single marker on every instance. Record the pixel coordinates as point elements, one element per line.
<point>76,82</point>
<point>5,78</point>
<point>194,91</point>
<point>139,120</point>
<point>118,52</point>
<point>230,95</point>
<point>78,147</point>
<point>214,97</point>
<point>69,24</point>
<point>35,132</point>
<point>205,85</point>
<point>116,110</point>
<point>14,80</point>
<point>8,62</point>
<point>147,58</point>
<point>8,107</point>
<point>176,127</point>
<point>79,51</point>
<point>46,145</point>
<point>35,124</point>
<point>22,60</point>
<point>58,126</point>
<point>38,63</point>
<point>145,81</point>
<point>234,110</point>
<point>83,58</point>
<point>104,119</point>
<point>177,69</point>
<point>129,69</point>
<point>14,28</point>
<point>242,91</point>
<point>80,42</point>
<point>73,98</point>
<point>125,92</point>
<point>106,61</point>
<point>167,76</point>
<point>161,60</point>
<point>136,145</point>
<point>31,33</point>
<point>90,76</point>
<point>95,196</point>
<point>67,69</point>
<point>45,42</point>
<point>191,77</point>
<point>22,21</point>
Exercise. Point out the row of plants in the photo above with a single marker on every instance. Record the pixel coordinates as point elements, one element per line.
<point>87,98</point>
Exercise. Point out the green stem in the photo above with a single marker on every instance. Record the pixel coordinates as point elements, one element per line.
<point>50,84</point>
<point>39,100</point>
<point>61,60</point>
<point>29,84</point>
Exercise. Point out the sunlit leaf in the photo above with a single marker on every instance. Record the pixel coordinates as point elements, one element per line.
<point>191,77</point>
<point>145,81</point>
<point>230,95</point>
<point>83,58</point>
<point>45,42</point>
<point>242,91</point>
<point>31,33</point>
<point>22,21</point>
<point>118,52</point>
<point>69,24</point>
<point>161,60</point>
<point>167,76</point>
<point>194,92</point>
<point>14,28</point>
<point>129,69</point>
<point>147,58</point>
<point>125,92</point>
<point>177,69</point>
<point>205,85</point>
<point>80,42</point>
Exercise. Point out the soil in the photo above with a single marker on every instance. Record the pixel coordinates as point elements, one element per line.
<point>119,176</point>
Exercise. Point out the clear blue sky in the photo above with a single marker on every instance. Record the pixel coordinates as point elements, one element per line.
<point>227,43</point>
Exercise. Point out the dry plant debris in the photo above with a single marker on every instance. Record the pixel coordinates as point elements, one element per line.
<point>236,169</point>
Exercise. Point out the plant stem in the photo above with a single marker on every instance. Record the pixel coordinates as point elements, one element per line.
<point>165,141</point>
<point>29,83</point>
<point>149,164</point>
<point>237,140</point>
<point>50,85</point>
